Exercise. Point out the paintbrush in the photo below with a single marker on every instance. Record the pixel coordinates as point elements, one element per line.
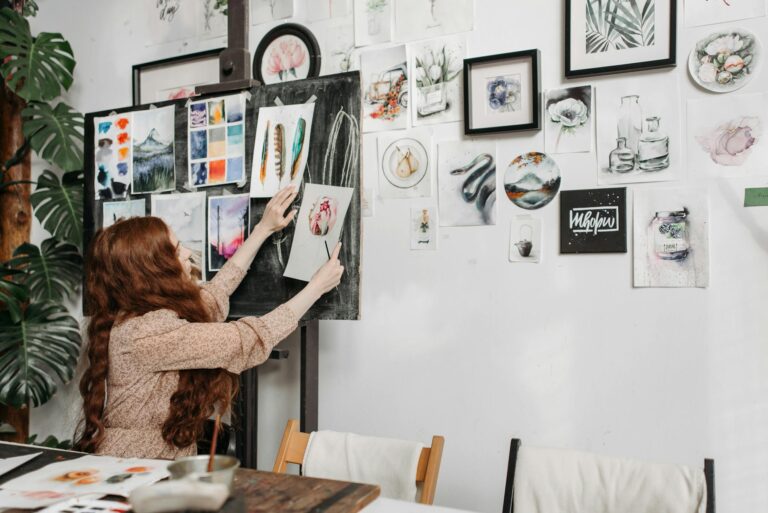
<point>213,441</point>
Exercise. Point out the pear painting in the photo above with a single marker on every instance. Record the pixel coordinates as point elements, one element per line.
<point>153,155</point>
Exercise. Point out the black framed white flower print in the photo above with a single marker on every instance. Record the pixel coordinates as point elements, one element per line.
<point>613,36</point>
<point>593,221</point>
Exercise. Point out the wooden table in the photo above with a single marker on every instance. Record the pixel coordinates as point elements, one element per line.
<point>255,491</point>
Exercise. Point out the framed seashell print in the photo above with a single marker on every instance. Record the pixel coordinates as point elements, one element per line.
<point>615,36</point>
<point>287,52</point>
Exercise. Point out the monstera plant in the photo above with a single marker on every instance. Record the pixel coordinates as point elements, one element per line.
<point>39,339</point>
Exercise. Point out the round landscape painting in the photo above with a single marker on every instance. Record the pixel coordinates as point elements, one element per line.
<point>725,61</point>
<point>532,180</point>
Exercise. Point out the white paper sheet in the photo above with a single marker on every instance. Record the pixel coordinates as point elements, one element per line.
<point>8,464</point>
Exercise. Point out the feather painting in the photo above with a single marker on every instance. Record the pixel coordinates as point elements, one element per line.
<point>298,147</point>
<point>263,170</point>
<point>279,141</point>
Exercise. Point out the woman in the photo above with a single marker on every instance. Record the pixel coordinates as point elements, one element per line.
<point>161,357</point>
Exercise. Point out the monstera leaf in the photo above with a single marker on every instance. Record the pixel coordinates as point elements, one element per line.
<point>12,293</point>
<point>52,271</point>
<point>56,134</point>
<point>35,350</point>
<point>59,205</point>
<point>35,68</point>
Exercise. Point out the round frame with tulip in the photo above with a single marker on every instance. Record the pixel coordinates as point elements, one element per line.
<point>287,52</point>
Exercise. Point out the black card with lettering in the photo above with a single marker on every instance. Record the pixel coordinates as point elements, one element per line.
<point>593,221</point>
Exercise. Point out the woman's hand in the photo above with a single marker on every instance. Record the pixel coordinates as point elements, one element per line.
<point>274,218</point>
<point>329,275</point>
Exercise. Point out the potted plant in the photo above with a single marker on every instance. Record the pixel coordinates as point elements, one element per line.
<point>433,72</point>
<point>39,339</point>
<point>374,8</point>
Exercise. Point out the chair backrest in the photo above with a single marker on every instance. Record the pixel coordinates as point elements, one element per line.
<point>294,445</point>
<point>509,506</point>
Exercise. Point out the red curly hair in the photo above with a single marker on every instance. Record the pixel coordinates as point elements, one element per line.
<point>133,269</point>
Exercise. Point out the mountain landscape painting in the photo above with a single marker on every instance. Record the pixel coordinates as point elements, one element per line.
<point>532,180</point>
<point>153,155</point>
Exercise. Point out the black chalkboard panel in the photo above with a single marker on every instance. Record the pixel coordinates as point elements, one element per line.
<point>334,159</point>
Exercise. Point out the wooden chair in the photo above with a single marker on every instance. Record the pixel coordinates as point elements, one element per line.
<point>294,445</point>
<point>509,507</point>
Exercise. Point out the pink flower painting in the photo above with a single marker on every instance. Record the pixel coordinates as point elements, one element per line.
<point>285,56</point>
<point>731,143</point>
<point>322,217</point>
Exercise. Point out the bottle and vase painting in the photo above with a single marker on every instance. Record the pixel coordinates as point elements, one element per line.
<point>640,142</point>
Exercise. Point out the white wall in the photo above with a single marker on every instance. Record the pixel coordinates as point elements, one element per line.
<point>461,343</point>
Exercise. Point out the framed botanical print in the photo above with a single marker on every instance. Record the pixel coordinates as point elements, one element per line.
<point>287,52</point>
<point>614,36</point>
<point>175,77</point>
<point>502,93</point>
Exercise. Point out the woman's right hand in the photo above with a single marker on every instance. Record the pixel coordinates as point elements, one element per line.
<point>329,275</point>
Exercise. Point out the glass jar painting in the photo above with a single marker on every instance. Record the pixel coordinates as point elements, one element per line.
<point>433,98</point>
<point>670,235</point>
<point>641,145</point>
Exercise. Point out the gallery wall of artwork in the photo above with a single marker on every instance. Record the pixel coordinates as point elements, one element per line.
<point>637,327</point>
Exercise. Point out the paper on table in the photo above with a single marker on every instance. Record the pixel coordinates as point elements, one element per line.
<point>8,464</point>
<point>34,499</point>
<point>92,475</point>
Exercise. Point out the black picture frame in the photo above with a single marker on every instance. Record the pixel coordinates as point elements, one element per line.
<point>535,82</point>
<point>138,69</point>
<point>669,62</point>
<point>293,29</point>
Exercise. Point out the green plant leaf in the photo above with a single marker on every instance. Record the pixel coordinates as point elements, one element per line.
<point>52,271</point>
<point>56,134</point>
<point>35,351</point>
<point>58,205</point>
<point>35,68</point>
<point>12,292</point>
<point>51,442</point>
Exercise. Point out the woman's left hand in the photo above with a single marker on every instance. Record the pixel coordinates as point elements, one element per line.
<point>275,218</point>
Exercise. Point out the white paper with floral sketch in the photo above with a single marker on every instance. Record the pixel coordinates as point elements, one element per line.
<point>671,229</point>
<point>385,89</point>
<point>338,47</point>
<point>726,135</point>
<point>638,137</point>
<point>318,228</point>
<point>569,120</point>
<point>324,9</point>
<point>436,81</point>
<point>707,12</point>
<point>264,11</point>
<point>405,164</point>
<point>423,19</point>
<point>466,183</point>
<point>373,22</point>
<point>725,60</point>
<point>424,226</point>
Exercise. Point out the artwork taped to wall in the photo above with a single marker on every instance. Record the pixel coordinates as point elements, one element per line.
<point>437,68</point>
<point>569,119</point>
<point>368,202</point>
<point>185,215</point>
<point>154,167</point>
<point>726,60</point>
<point>424,227</point>
<point>338,47</point>
<point>280,148</point>
<point>373,21</point>
<point>532,180</point>
<point>175,20</point>
<point>422,19</point>
<point>318,229</point>
<point>98,475</point>
<point>671,246</point>
<point>405,164</point>
<point>525,240</point>
<point>638,137</point>
<point>611,36</point>
<point>726,136</point>
<point>216,141</point>
<point>385,85</point>
<point>324,9</point>
<point>466,181</point>
<point>112,211</point>
<point>228,227</point>
<point>593,221</point>
<point>265,11</point>
<point>707,12</point>
<point>113,162</point>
